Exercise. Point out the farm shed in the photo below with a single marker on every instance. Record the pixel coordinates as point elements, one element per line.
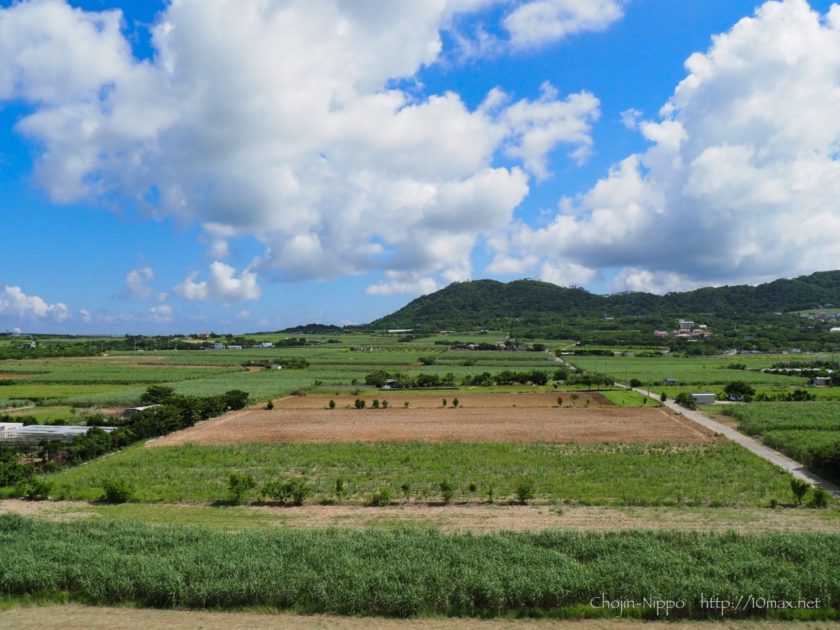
<point>704,398</point>
<point>133,411</point>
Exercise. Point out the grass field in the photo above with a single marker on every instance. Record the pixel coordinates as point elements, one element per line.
<point>45,415</point>
<point>797,429</point>
<point>715,474</point>
<point>652,371</point>
<point>410,573</point>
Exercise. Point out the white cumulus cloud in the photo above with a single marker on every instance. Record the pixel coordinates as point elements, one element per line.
<point>17,304</point>
<point>161,314</point>
<point>742,175</point>
<point>137,283</point>
<point>278,119</point>
<point>545,21</point>
<point>223,285</point>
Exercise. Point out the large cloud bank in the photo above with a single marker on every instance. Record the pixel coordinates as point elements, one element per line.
<point>278,119</point>
<point>742,178</point>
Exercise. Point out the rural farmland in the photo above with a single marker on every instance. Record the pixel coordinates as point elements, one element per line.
<point>453,445</point>
<point>436,314</point>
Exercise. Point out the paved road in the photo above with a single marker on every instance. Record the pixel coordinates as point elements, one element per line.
<point>764,452</point>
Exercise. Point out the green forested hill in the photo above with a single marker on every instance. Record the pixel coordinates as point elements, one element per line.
<point>485,303</point>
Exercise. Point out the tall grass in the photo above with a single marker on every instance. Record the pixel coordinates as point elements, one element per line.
<point>408,572</point>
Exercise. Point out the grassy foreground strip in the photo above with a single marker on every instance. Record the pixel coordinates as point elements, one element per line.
<point>408,573</point>
<point>597,474</point>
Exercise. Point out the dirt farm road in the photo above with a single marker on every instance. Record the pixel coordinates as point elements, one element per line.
<point>754,446</point>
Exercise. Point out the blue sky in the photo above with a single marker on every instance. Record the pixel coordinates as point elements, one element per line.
<point>237,166</point>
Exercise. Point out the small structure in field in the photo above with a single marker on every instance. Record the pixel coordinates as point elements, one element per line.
<point>704,398</point>
<point>133,411</point>
<point>821,381</point>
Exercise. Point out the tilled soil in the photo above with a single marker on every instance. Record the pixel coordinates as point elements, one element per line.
<point>468,424</point>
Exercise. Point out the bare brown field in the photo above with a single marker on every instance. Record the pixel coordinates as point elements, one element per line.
<point>469,424</point>
<point>78,617</point>
<point>7,376</point>
<point>434,400</point>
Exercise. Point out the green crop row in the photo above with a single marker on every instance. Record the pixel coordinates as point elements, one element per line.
<point>410,573</point>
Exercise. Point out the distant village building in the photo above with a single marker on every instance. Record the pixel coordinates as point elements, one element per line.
<point>670,381</point>
<point>267,344</point>
<point>234,347</point>
<point>821,381</point>
<point>835,330</point>
<point>218,346</point>
<point>704,398</point>
<point>686,329</point>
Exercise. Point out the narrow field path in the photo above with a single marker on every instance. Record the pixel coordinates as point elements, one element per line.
<point>773,456</point>
<point>78,617</point>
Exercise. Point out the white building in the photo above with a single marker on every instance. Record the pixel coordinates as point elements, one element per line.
<point>704,398</point>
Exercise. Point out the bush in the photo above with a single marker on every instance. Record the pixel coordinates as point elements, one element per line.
<point>447,491</point>
<point>235,399</point>
<point>35,489</point>
<point>684,399</point>
<point>444,402</point>
<point>359,403</point>
<point>238,486</point>
<point>375,403</point>
<point>381,498</point>
<point>739,390</point>
<point>524,491</point>
<point>819,498</point>
<point>116,491</point>
<point>269,405</point>
<point>559,401</point>
<point>294,490</point>
<point>634,382</point>
<point>663,396</point>
<point>156,395</point>
<point>332,404</point>
<point>384,404</point>
<point>799,489</point>
<point>827,458</point>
